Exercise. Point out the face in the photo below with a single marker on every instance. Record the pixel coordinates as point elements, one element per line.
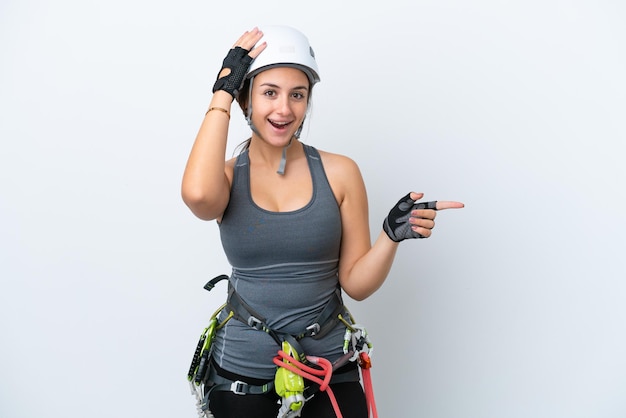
<point>279,103</point>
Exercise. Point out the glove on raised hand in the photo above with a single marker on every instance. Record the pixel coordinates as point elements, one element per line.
<point>238,61</point>
<point>397,225</point>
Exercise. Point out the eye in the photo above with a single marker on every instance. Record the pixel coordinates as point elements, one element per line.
<point>269,93</point>
<point>298,95</point>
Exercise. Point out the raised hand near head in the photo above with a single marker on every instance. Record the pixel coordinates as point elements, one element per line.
<point>237,62</point>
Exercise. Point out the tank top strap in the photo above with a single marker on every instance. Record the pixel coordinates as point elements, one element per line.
<point>317,168</point>
<point>241,172</point>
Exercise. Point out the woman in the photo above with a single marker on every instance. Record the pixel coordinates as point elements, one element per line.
<point>293,222</point>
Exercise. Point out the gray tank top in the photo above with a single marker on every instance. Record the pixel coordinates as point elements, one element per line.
<point>284,266</point>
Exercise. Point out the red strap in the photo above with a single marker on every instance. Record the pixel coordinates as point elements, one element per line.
<point>369,393</point>
<point>366,363</point>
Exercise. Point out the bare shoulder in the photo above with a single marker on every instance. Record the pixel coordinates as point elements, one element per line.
<point>337,164</point>
<point>343,174</point>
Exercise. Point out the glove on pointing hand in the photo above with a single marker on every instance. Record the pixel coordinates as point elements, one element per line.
<point>397,225</point>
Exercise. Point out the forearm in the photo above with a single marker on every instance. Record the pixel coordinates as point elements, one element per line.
<point>204,185</point>
<point>370,271</point>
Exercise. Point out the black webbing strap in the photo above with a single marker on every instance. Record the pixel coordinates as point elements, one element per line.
<point>244,313</point>
<point>323,324</point>
<point>327,319</point>
<point>215,382</point>
<point>238,387</point>
<point>211,283</point>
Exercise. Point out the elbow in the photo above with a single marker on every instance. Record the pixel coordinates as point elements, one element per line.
<point>200,204</point>
<point>191,196</point>
<point>358,295</point>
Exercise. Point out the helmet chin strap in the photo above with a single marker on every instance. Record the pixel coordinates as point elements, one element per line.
<point>283,158</point>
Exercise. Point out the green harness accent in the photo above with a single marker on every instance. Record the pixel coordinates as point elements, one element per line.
<point>289,385</point>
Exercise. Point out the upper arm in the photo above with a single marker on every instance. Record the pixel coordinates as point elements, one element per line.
<point>209,203</point>
<point>347,184</point>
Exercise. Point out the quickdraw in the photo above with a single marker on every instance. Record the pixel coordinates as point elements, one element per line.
<point>293,366</point>
<point>198,369</point>
<point>356,336</point>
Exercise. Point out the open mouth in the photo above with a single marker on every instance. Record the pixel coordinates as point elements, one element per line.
<point>279,125</point>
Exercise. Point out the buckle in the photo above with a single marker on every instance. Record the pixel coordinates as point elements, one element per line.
<point>238,387</point>
<point>313,329</point>
<point>255,323</point>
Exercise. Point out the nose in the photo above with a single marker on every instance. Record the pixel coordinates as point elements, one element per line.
<point>283,106</point>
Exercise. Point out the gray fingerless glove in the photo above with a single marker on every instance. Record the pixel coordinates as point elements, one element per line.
<point>238,61</point>
<point>397,225</point>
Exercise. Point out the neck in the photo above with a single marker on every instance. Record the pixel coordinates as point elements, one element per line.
<point>270,155</point>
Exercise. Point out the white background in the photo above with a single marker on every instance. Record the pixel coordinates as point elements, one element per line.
<point>513,308</point>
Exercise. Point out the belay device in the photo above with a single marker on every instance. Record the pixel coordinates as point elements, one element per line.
<point>294,369</point>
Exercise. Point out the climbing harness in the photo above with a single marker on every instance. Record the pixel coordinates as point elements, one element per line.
<point>293,365</point>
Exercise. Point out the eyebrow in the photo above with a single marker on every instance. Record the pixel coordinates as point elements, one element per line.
<point>269,84</point>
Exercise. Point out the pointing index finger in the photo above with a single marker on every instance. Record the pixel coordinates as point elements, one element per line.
<point>445,204</point>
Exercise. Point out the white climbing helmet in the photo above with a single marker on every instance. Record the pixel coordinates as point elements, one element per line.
<point>286,47</point>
